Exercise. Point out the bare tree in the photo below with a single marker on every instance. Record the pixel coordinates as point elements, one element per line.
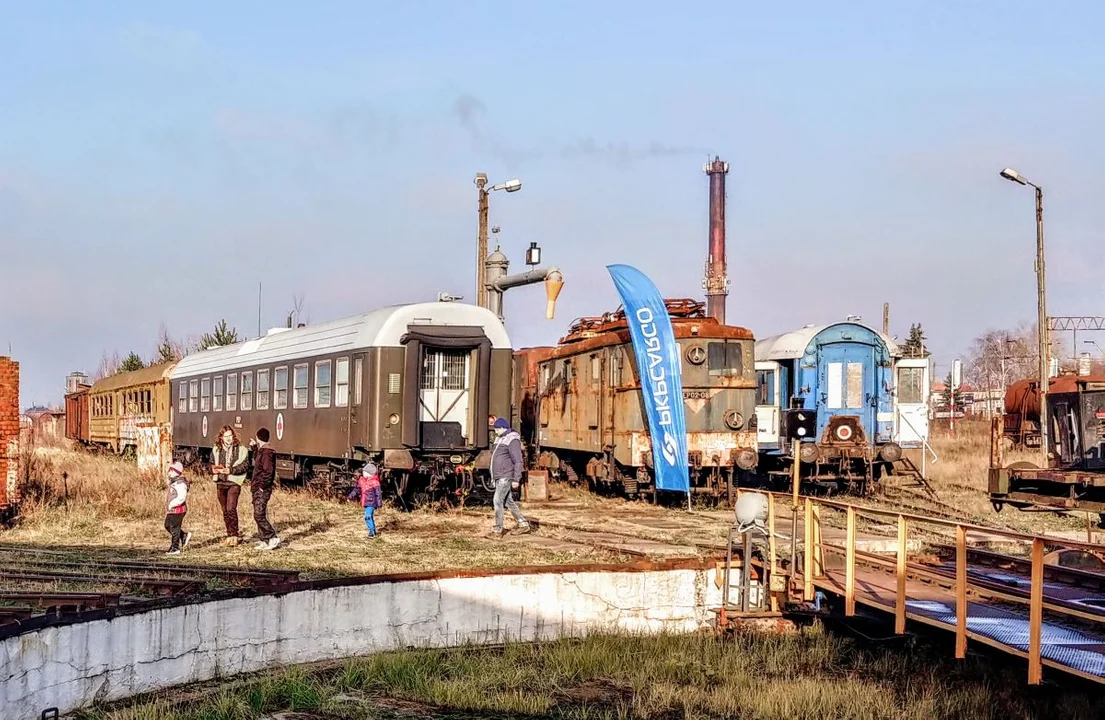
<point>299,314</point>
<point>109,365</point>
<point>1001,357</point>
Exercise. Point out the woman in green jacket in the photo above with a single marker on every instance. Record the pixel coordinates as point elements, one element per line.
<point>229,461</point>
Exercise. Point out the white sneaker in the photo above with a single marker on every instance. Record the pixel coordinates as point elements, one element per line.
<point>274,542</point>
<point>260,545</point>
<point>173,552</point>
<point>187,537</point>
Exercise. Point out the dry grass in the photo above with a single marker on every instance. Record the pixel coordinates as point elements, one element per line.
<point>103,507</point>
<point>960,479</point>
<point>813,674</point>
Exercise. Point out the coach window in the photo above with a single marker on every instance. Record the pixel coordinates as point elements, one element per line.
<point>263,388</point>
<point>724,358</point>
<point>341,382</point>
<point>193,396</point>
<point>247,391</point>
<point>281,388</point>
<point>596,370</point>
<point>299,398</point>
<point>232,392</point>
<point>358,371</point>
<point>218,395</point>
<point>322,383</point>
<point>205,394</point>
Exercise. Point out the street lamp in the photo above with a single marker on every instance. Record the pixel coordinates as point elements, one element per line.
<point>481,246</point>
<point>1042,332</point>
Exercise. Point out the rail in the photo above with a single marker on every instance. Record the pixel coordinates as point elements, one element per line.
<point>813,574</point>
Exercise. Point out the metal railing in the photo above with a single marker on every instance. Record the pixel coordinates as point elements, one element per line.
<point>924,446</point>
<point>813,574</point>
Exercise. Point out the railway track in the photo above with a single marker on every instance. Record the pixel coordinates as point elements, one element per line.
<point>43,586</point>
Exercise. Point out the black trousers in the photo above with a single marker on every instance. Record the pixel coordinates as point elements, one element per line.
<point>228,501</point>
<point>261,495</point>
<point>173,522</point>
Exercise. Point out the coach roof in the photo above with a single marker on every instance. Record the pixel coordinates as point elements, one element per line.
<point>145,376</point>
<point>380,328</point>
<point>795,344</point>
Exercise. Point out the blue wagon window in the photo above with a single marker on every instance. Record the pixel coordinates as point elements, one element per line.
<point>724,358</point>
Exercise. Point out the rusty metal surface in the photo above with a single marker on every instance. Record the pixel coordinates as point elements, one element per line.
<point>716,282</point>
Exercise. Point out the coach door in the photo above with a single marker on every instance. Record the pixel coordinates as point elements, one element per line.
<point>444,394</point>
<point>911,398</point>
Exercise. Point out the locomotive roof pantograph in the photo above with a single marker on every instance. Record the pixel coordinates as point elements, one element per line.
<point>380,328</point>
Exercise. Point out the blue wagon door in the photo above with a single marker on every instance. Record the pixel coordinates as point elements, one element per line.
<point>847,384</point>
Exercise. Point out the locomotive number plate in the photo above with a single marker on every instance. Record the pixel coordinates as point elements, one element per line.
<point>696,394</point>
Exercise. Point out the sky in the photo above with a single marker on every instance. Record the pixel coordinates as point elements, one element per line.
<point>158,161</point>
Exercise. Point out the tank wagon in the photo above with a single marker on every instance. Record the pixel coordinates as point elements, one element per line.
<point>408,387</point>
<point>1075,476</point>
<point>120,404</point>
<point>869,402</point>
<point>578,405</point>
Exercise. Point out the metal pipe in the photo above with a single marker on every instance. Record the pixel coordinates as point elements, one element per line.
<point>1042,321</point>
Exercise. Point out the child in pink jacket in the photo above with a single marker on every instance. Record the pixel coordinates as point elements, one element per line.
<point>176,507</point>
<point>372,495</point>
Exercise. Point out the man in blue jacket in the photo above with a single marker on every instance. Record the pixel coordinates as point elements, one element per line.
<point>506,471</point>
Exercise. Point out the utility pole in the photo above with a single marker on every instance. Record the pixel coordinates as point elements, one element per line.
<point>481,236</point>
<point>1042,332</point>
<point>886,319</point>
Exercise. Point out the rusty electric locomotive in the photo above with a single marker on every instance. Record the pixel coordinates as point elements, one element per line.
<point>578,405</point>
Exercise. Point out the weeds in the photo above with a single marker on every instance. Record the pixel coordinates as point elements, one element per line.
<point>812,674</point>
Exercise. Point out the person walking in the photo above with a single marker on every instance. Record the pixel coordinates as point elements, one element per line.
<point>372,495</point>
<point>176,507</point>
<point>506,471</point>
<point>229,463</point>
<point>260,487</point>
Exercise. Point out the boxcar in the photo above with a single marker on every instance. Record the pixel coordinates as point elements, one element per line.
<point>76,415</point>
<point>580,408</point>
<point>869,401</point>
<point>117,405</point>
<point>407,386</point>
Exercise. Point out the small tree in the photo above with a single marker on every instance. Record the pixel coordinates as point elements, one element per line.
<point>131,362</point>
<point>109,365</point>
<point>946,400</point>
<point>223,335</point>
<point>915,345</point>
<point>168,349</point>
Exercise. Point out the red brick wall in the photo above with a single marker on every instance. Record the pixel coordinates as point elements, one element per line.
<point>9,432</point>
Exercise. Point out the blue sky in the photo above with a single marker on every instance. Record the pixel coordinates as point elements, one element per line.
<point>156,162</point>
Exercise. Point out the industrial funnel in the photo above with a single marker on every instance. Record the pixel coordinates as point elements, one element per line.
<point>554,282</point>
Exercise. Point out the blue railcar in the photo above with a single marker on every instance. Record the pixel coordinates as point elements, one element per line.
<point>869,401</point>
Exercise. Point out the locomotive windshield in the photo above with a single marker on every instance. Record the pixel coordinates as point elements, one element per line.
<point>725,358</point>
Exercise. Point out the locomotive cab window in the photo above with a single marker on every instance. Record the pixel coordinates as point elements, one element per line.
<point>724,358</point>
<point>322,384</point>
<point>218,396</point>
<point>247,391</point>
<point>910,388</point>
<point>765,387</point>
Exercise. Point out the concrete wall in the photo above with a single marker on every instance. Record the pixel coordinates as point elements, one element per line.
<point>75,665</point>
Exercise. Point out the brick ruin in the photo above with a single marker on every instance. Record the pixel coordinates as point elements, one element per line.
<point>9,434</point>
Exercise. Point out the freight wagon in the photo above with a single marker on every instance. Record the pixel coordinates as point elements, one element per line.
<point>869,401</point>
<point>409,387</point>
<point>76,415</point>
<point>579,406</point>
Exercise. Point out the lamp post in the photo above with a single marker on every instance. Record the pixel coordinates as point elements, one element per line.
<point>481,244</point>
<point>1042,332</point>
